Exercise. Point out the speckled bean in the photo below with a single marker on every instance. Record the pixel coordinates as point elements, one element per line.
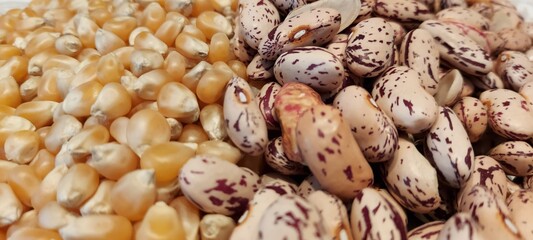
<point>460,226</point>
<point>419,52</point>
<point>515,40</point>
<point>337,47</point>
<point>374,217</point>
<point>458,50</point>
<point>403,11</point>
<point>527,92</point>
<point>315,27</point>
<point>315,67</point>
<point>245,124</point>
<point>309,185</point>
<point>450,149</point>
<point>260,69</point>
<point>490,214</point>
<point>515,68</point>
<point>411,179</point>
<point>330,151</point>
<point>428,231</point>
<point>515,157</point>
<point>439,5</point>
<point>217,186</point>
<point>265,99</point>
<point>241,49</point>
<point>450,88</point>
<point>399,94</point>
<point>489,81</point>
<point>249,222</point>
<point>334,215</point>
<point>370,47</point>
<point>473,115</point>
<point>286,6</point>
<point>464,16</point>
<point>367,8</point>
<point>291,217</point>
<point>256,19</point>
<point>291,101</point>
<point>529,54</point>
<point>275,158</point>
<point>505,18</point>
<point>503,106</point>
<point>520,206</point>
<point>373,130</point>
<point>486,172</point>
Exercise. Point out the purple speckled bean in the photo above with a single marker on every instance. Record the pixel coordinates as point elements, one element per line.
<point>515,40</point>
<point>256,19</point>
<point>315,67</point>
<point>334,215</point>
<point>460,226</point>
<point>265,99</point>
<point>411,179</point>
<point>245,124</point>
<point>372,129</point>
<point>428,231</point>
<point>286,6</point>
<point>309,185</point>
<point>337,47</point>
<point>520,205</point>
<point>260,69</point>
<point>275,158</point>
<point>399,94</point>
<point>489,81</point>
<point>503,107</point>
<point>367,8</point>
<point>490,214</point>
<point>291,217</point>
<point>374,217</point>
<point>419,52</point>
<point>473,116</point>
<point>241,49</point>
<point>370,47</point>
<point>403,11</point>
<point>439,5</point>
<point>466,16</point>
<point>217,186</point>
<point>312,28</point>
<point>515,157</point>
<point>449,148</point>
<point>514,68</point>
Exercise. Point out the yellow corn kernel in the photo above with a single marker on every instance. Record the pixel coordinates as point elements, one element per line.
<point>168,191</point>
<point>121,26</point>
<point>181,7</point>
<point>98,227</point>
<point>145,60</point>
<point>69,45</point>
<point>5,168</point>
<point>220,149</point>
<point>166,159</point>
<point>22,146</point>
<point>145,128</point>
<point>126,8</point>
<point>35,64</point>
<point>112,102</point>
<point>169,30</point>
<point>48,88</point>
<point>63,128</point>
<point>189,215</point>
<point>39,43</point>
<point>212,120</point>
<point>226,7</point>
<point>177,101</point>
<point>113,160</point>
<point>106,41</point>
<point>161,222</point>
<point>149,84</point>
<point>9,92</point>
<point>43,163</point>
<point>216,226</point>
<point>79,184</point>
<point>60,61</point>
<point>135,33</point>
<point>58,17</point>
<point>87,73</point>
<point>212,84</point>
<point>86,31</point>
<point>124,55</point>
<point>28,219</point>
<point>53,216</point>
<point>8,51</point>
<point>191,47</point>
<point>100,16</point>
<point>88,53</point>
<point>79,100</point>
<point>35,233</point>
<point>211,22</point>
<point>39,113</point>
<point>10,124</point>
<point>133,194</point>
<point>147,40</point>
<point>194,31</point>
<point>79,145</point>
<point>24,182</point>
<point>16,67</point>
<point>100,202</point>
<point>109,69</point>
<point>220,49</point>
<point>118,129</point>
<point>175,64</point>
<point>175,128</point>
<point>193,133</point>
<point>28,89</point>
<point>6,111</point>
<point>153,16</point>
<point>10,206</point>
<point>47,190</point>
<point>192,77</point>
<point>199,6</point>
